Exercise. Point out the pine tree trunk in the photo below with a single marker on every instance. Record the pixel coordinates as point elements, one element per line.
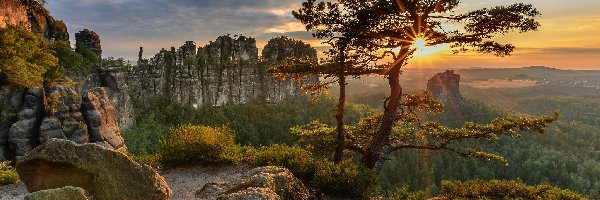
<point>339,116</point>
<point>374,152</point>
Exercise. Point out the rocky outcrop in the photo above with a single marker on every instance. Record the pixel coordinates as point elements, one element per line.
<point>10,104</point>
<point>259,183</point>
<point>63,119</point>
<point>22,135</point>
<point>89,40</point>
<point>64,193</point>
<point>29,117</point>
<point>226,70</point>
<point>100,115</point>
<point>31,15</point>
<point>103,173</point>
<point>445,87</point>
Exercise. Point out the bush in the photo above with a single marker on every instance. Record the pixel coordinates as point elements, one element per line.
<point>504,189</point>
<point>298,160</point>
<point>346,179</point>
<point>197,144</point>
<point>8,174</point>
<point>403,192</point>
<point>144,138</point>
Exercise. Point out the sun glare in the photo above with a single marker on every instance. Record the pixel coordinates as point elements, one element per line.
<point>423,48</point>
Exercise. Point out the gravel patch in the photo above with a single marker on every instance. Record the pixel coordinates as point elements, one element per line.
<point>184,181</point>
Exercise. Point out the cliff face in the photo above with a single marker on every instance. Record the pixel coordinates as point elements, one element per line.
<point>32,16</point>
<point>277,51</point>
<point>226,70</point>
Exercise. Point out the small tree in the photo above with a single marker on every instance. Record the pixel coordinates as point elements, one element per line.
<point>384,28</point>
<point>24,57</point>
<point>341,62</point>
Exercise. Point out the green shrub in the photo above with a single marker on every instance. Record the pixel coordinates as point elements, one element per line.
<point>403,192</point>
<point>197,144</point>
<point>504,189</point>
<point>144,138</point>
<point>298,160</point>
<point>8,174</point>
<point>346,179</point>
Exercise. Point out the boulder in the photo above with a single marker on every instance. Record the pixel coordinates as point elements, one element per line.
<point>64,193</point>
<point>101,120</point>
<point>259,183</point>
<point>103,173</point>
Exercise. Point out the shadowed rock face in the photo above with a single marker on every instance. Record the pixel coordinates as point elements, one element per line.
<point>104,173</point>
<point>23,133</point>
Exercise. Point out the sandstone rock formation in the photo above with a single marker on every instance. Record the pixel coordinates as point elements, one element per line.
<point>63,119</point>
<point>89,40</point>
<point>22,135</point>
<point>100,115</point>
<point>32,16</point>
<point>64,193</point>
<point>29,117</point>
<point>259,183</point>
<point>104,173</point>
<point>226,70</point>
<point>445,87</point>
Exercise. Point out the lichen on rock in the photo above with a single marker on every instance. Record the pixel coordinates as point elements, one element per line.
<point>104,173</point>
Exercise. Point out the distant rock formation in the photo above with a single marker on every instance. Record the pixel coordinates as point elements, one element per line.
<point>226,70</point>
<point>31,15</point>
<point>277,51</point>
<point>445,87</point>
<point>29,117</point>
<point>88,39</point>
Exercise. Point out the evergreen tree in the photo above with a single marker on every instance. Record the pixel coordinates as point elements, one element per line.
<point>384,29</point>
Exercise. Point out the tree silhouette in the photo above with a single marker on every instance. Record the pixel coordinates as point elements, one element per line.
<point>341,61</point>
<point>380,29</point>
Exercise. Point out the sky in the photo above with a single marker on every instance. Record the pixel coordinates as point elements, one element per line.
<point>569,37</point>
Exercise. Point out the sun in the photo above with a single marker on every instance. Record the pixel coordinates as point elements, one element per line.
<point>423,48</point>
<point>419,43</point>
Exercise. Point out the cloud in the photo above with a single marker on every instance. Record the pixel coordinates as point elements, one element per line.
<point>152,23</point>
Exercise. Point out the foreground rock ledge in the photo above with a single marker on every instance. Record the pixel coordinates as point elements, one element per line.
<point>104,173</point>
<point>260,183</point>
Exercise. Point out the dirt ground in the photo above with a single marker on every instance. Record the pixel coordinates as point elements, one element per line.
<point>183,181</point>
